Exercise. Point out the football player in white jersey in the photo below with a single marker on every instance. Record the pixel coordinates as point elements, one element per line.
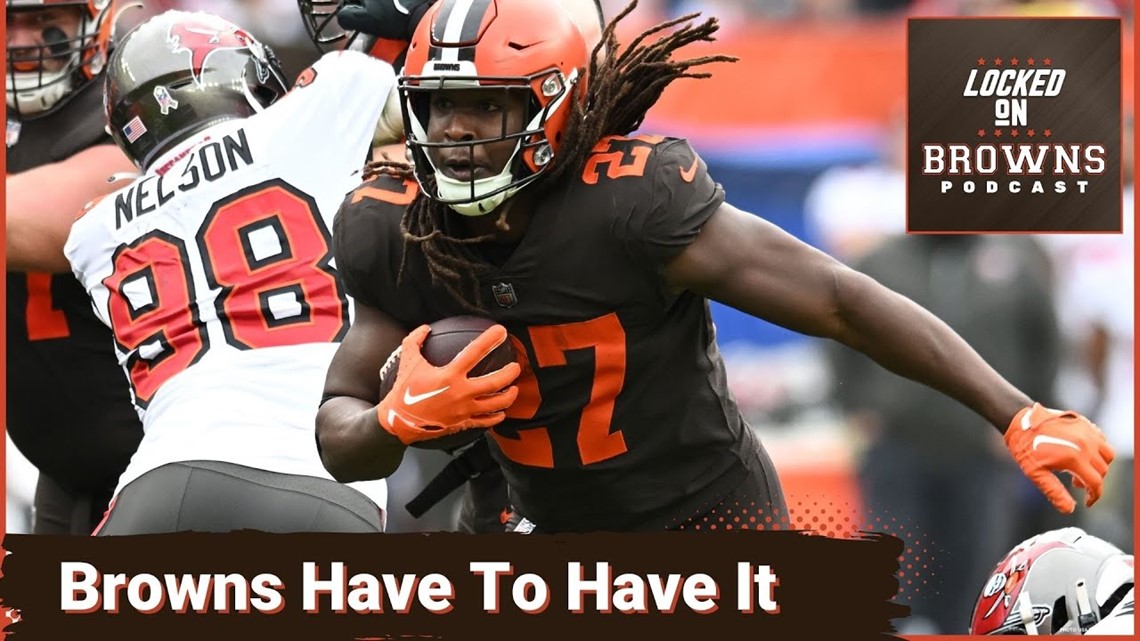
<point>1120,621</point>
<point>214,270</point>
<point>1063,582</point>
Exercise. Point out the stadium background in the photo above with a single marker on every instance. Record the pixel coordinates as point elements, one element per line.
<point>806,131</point>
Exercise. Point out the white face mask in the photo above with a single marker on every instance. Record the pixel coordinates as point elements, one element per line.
<point>451,189</point>
<point>454,189</point>
<point>31,93</point>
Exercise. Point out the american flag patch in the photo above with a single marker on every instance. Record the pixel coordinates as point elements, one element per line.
<point>133,129</point>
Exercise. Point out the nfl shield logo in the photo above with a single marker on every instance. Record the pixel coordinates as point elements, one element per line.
<point>504,294</point>
<point>13,135</point>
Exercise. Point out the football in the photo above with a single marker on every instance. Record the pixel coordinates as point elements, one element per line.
<point>448,337</point>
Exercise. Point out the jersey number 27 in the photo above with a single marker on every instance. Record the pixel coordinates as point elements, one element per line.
<point>596,439</point>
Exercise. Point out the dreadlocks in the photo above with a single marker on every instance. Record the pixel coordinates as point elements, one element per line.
<point>621,89</point>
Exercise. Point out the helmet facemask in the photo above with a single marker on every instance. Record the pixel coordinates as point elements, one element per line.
<point>547,96</point>
<point>40,77</point>
<point>1060,582</point>
<point>319,18</point>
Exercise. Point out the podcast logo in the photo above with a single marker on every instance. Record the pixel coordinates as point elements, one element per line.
<point>1014,125</point>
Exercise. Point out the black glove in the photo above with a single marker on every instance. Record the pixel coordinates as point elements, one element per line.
<point>388,19</point>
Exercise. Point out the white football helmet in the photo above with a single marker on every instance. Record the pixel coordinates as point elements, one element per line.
<point>1060,582</point>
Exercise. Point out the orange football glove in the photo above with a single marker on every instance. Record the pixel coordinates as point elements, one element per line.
<point>428,402</point>
<point>1044,441</point>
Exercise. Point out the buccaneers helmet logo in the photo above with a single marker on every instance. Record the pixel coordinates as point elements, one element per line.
<point>1005,586</point>
<point>202,39</point>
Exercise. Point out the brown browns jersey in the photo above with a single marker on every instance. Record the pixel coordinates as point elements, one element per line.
<point>69,410</point>
<point>624,420</point>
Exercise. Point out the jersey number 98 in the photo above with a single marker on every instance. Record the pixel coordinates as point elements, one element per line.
<point>265,250</point>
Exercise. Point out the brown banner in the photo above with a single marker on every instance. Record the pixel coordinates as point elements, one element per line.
<point>1014,125</point>
<point>771,584</point>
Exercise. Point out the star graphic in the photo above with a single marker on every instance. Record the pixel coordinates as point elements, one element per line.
<point>1013,133</point>
<point>1048,133</point>
<point>997,133</point>
<point>981,61</point>
<point>1048,61</point>
<point>1031,133</point>
<point>1030,60</point>
<point>981,133</point>
<point>1013,61</point>
<point>997,61</point>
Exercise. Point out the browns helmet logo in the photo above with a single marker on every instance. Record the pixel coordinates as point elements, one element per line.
<point>203,38</point>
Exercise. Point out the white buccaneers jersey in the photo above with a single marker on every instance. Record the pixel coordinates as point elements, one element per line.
<point>215,271</point>
<point>1118,622</point>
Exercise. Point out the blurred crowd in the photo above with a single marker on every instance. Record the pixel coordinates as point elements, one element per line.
<point>855,9</point>
<point>1054,314</point>
<point>277,23</point>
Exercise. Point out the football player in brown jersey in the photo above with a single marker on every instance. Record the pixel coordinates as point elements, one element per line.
<point>384,28</point>
<point>597,252</point>
<point>69,409</point>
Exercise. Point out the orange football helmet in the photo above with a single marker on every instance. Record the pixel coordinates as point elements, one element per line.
<point>532,46</point>
<point>36,90</point>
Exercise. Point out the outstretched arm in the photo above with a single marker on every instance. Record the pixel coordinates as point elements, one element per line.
<point>752,265</point>
<point>42,203</point>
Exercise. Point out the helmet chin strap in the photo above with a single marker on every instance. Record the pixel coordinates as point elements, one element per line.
<point>1086,616</point>
<point>1025,610</point>
<point>27,94</point>
<point>31,93</point>
<point>452,189</point>
<point>458,190</point>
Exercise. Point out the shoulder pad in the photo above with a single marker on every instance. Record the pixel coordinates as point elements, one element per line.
<point>385,189</point>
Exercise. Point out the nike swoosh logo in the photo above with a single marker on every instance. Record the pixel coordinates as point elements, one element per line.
<point>400,7</point>
<point>1026,423</point>
<point>392,416</point>
<point>687,175</point>
<point>412,399</point>
<point>1044,439</point>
